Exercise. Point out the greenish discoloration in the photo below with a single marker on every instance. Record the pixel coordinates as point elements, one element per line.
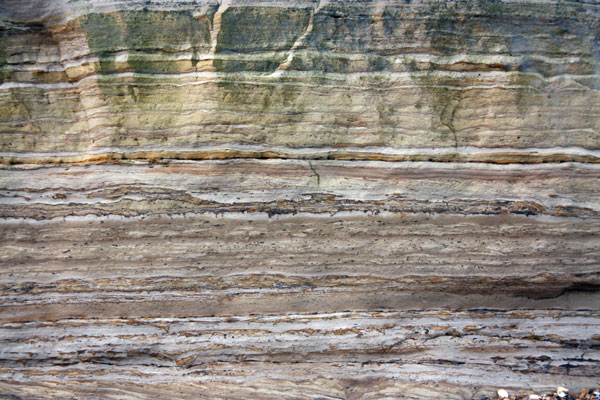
<point>142,64</point>
<point>268,31</point>
<point>345,28</point>
<point>272,95</point>
<point>151,30</point>
<point>496,27</point>
<point>529,96</point>
<point>449,33</point>
<point>144,32</point>
<point>261,63</point>
<point>316,61</point>
<point>273,108</point>
<point>144,36</point>
<point>4,72</point>
<point>562,38</point>
<point>323,62</point>
<point>105,37</point>
<point>252,29</point>
<point>445,96</point>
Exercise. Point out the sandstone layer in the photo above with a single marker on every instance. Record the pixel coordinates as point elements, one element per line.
<point>298,199</point>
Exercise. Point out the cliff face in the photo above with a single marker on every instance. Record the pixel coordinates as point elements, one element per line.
<point>128,75</point>
<point>334,199</point>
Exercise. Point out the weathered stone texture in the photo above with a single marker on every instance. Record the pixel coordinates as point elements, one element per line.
<point>298,199</point>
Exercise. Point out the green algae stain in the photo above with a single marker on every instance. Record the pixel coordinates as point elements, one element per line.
<point>144,33</point>
<point>448,34</point>
<point>561,31</point>
<point>256,41</point>
<point>260,36</point>
<point>147,38</point>
<point>268,63</point>
<point>251,29</point>
<point>151,30</point>
<point>317,61</point>
<point>151,43</point>
<point>445,96</point>
<point>4,72</point>
<point>105,38</point>
<point>518,30</point>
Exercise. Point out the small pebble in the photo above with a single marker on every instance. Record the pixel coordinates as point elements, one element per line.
<point>562,392</point>
<point>584,394</point>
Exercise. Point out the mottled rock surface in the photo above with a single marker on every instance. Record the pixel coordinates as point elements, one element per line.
<point>298,199</point>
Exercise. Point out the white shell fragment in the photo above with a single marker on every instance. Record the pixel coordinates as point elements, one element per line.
<point>562,392</point>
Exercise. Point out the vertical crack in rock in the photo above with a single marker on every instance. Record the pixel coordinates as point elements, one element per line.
<point>216,26</point>
<point>299,42</point>
<point>447,117</point>
<point>314,171</point>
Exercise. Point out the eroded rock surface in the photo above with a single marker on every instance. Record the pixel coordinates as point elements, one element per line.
<point>298,199</point>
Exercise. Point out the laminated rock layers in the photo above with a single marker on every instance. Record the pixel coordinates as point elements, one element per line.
<point>268,199</point>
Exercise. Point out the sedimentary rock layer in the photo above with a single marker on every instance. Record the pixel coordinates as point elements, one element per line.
<point>324,355</point>
<point>84,75</point>
<point>296,279</point>
<point>268,199</point>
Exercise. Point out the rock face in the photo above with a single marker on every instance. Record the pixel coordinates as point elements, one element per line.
<point>269,199</point>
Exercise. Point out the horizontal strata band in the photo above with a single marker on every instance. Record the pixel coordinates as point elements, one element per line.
<point>74,9</point>
<point>290,355</point>
<point>199,78</point>
<point>158,154</point>
<point>267,199</point>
